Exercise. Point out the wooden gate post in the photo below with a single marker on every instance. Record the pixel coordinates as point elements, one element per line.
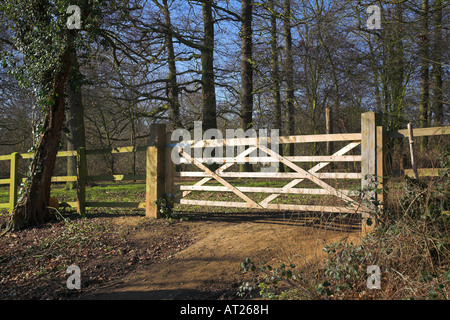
<point>13,181</point>
<point>81,180</point>
<point>371,155</point>
<point>155,170</point>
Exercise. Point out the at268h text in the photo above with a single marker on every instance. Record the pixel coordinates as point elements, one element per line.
<point>232,309</point>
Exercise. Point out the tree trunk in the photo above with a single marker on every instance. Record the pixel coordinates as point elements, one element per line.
<point>76,137</point>
<point>207,58</point>
<point>289,73</point>
<point>329,110</point>
<point>246,72</point>
<point>277,124</point>
<point>397,71</point>
<point>438,52</point>
<point>329,129</point>
<point>172,86</point>
<point>32,207</point>
<point>424,72</point>
<point>132,138</point>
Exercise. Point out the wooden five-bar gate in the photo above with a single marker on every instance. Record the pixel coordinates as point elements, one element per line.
<point>297,174</point>
<point>161,172</point>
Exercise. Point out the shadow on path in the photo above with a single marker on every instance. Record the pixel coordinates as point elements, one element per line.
<point>327,221</point>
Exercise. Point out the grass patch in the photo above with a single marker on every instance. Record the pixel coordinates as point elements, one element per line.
<point>135,192</point>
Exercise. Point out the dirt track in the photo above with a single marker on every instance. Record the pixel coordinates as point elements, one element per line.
<point>209,268</point>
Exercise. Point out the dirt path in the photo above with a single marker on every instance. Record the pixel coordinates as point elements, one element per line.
<point>210,267</point>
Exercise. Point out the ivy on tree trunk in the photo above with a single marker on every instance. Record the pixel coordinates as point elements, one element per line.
<point>32,207</point>
<point>44,48</point>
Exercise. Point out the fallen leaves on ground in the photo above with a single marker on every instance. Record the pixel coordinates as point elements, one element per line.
<point>33,262</point>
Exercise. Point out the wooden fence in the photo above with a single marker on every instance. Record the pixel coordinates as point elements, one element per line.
<point>411,134</point>
<point>82,178</point>
<point>161,174</point>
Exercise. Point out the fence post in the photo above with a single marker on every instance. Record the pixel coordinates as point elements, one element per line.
<point>155,170</point>
<point>411,151</point>
<point>13,181</point>
<point>369,150</point>
<point>81,180</point>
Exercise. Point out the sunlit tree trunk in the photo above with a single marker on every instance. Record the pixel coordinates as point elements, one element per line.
<point>172,85</point>
<point>276,94</point>
<point>246,72</point>
<point>289,73</point>
<point>207,57</point>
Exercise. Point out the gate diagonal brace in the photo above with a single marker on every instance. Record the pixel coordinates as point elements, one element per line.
<point>221,169</point>
<point>314,169</point>
<point>308,175</point>
<point>250,202</point>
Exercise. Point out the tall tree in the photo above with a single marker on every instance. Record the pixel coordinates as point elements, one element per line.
<point>172,85</point>
<point>75,113</point>
<point>246,66</point>
<point>289,72</point>
<point>246,71</point>
<point>275,73</point>
<point>321,21</point>
<point>275,67</point>
<point>437,59</point>
<point>398,67</point>
<point>390,69</point>
<point>424,69</point>
<point>207,57</point>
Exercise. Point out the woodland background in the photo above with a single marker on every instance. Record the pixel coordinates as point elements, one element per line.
<point>248,64</point>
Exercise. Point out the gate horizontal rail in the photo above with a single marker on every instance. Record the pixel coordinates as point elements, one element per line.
<point>233,142</point>
<point>263,190</point>
<point>352,158</point>
<point>274,175</point>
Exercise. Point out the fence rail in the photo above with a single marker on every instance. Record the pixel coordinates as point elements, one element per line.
<point>82,178</point>
<point>419,132</point>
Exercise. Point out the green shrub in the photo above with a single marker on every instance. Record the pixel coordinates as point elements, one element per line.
<point>411,246</point>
